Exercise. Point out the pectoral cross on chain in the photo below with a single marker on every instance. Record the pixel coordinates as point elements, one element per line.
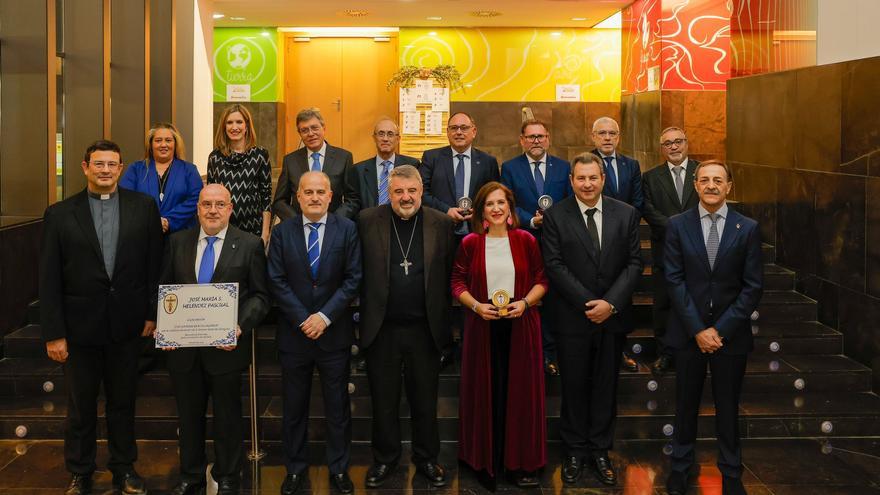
<point>406,264</point>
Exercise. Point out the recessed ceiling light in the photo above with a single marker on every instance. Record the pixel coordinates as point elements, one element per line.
<point>219,16</point>
<point>266,33</point>
<point>434,18</point>
<point>485,13</point>
<point>579,18</point>
<point>556,34</point>
<point>356,12</point>
<point>236,18</point>
<point>432,33</point>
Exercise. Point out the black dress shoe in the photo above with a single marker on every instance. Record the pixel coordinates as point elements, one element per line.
<point>80,484</point>
<point>732,486</point>
<point>604,470</point>
<point>551,368</point>
<point>377,474</point>
<point>129,483</point>
<point>434,472</point>
<point>228,486</point>
<point>628,363</point>
<point>676,483</point>
<point>292,483</point>
<point>189,488</point>
<point>525,479</point>
<point>446,359</point>
<point>571,469</point>
<point>342,483</point>
<point>662,364</point>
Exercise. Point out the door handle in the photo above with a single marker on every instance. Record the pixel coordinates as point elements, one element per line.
<point>338,104</point>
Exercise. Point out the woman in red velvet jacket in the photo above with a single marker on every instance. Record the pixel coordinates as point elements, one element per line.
<point>501,408</point>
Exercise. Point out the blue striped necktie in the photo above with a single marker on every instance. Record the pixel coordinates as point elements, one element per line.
<point>610,176</point>
<point>383,182</point>
<point>316,162</point>
<point>314,248</point>
<point>206,267</point>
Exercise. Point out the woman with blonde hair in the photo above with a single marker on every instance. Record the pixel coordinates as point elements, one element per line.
<point>243,167</point>
<point>164,174</point>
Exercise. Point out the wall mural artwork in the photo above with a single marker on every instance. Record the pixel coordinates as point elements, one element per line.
<point>516,64</point>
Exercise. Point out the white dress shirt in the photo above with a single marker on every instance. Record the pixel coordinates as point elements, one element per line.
<point>467,169</point>
<point>322,154</point>
<point>203,243</point>
<point>613,166</point>
<point>321,228</point>
<point>706,222</point>
<point>597,217</point>
<point>684,167</point>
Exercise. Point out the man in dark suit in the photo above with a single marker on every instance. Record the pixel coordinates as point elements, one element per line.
<point>316,156</point>
<point>592,259</point>
<point>623,179</point>
<point>669,190</point>
<point>456,171</point>
<point>715,273</point>
<point>370,177</point>
<point>408,252</point>
<point>214,252</point>
<point>315,272</point>
<point>530,176</point>
<point>99,270</point>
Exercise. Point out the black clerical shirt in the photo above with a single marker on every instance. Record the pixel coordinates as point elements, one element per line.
<point>406,296</point>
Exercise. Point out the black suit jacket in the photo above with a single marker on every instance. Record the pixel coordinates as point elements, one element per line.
<point>724,296</point>
<point>438,176</point>
<point>374,226</point>
<point>241,260</point>
<point>578,274</point>
<point>336,165</point>
<point>78,301</point>
<point>661,202</point>
<point>299,295</point>
<point>363,177</point>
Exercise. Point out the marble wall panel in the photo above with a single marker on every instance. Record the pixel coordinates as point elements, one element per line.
<point>756,188</point>
<point>761,126</point>
<point>818,118</point>
<point>860,111</point>
<point>796,245</point>
<point>825,292</point>
<point>569,125</point>
<point>858,317</point>
<point>840,229</point>
<point>872,237</point>
<point>705,122</point>
<point>19,262</point>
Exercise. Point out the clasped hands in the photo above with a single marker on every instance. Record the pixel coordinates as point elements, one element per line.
<point>708,340</point>
<point>314,326</point>
<point>488,311</point>
<point>598,310</point>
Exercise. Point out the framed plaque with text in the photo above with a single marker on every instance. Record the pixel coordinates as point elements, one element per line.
<point>197,315</point>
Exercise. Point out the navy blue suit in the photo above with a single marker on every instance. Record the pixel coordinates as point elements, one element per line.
<point>298,296</point>
<point>629,181</point>
<point>518,174</point>
<point>181,190</point>
<point>701,297</point>
<point>438,176</point>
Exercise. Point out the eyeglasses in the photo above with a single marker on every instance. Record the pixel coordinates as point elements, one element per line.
<point>607,133</point>
<point>385,134</point>
<point>462,128</point>
<point>536,137</point>
<point>107,165</point>
<point>670,144</point>
<point>207,205</point>
<point>313,129</point>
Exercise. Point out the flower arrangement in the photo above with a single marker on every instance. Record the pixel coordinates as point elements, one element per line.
<point>446,75</point>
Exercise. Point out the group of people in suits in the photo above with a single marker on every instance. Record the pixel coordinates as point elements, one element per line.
<point>543,260</point>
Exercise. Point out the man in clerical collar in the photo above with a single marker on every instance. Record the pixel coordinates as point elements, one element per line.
<point>99,269</point>
<point>407,261</point>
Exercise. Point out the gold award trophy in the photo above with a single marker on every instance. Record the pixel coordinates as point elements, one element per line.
<point>500,299</point>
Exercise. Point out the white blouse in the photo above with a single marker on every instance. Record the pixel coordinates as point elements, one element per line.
<point>500,273</point>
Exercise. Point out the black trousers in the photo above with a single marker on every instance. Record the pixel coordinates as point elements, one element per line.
<point>297,372</point>
<point>589,365</point>
<point>548,339</point>
<point>660,307</point>
<point>191,391</point>
<point>727,377</point>
<point>411,348</point>
<point>114,365</point>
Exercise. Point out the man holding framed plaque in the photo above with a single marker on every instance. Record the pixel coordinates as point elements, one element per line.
<point>206,326</point>
<point>315,272</point>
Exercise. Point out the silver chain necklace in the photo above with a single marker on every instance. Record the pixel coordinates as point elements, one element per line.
<point>406,263</point>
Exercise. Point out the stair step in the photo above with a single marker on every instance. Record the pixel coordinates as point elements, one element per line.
<point>761,416</point>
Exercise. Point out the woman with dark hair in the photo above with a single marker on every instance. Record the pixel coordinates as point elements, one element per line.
<point>499,275</point>
<point>243,167</point>
<point>174,183</point>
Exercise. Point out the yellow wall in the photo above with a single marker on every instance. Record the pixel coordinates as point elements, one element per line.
<point>520,64</point>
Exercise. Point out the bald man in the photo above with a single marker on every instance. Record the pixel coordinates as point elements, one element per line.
<point>214,252</point>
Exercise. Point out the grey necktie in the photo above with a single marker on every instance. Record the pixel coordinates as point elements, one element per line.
<point>679,182</point>
<point>712,242</point>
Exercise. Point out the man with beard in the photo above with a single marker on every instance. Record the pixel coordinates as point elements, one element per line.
<point>407,261</point>
<point>532,175</point>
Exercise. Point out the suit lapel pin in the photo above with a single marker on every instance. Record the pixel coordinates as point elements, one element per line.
<point>233,244</point>
<point>737,225</point>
